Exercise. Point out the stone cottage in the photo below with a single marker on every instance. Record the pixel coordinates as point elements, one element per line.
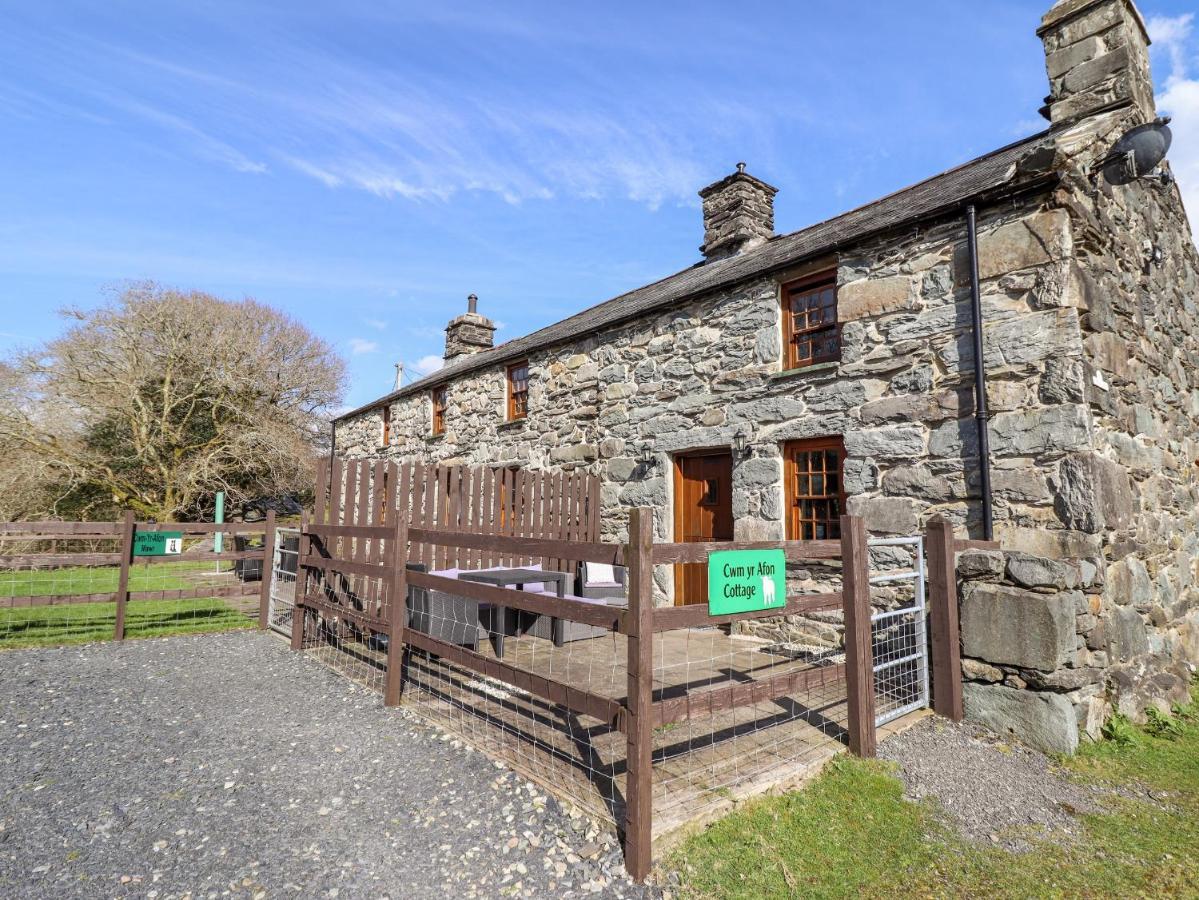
<point>784,379</point>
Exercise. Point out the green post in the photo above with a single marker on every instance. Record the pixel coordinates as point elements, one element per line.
<point>218,543</point>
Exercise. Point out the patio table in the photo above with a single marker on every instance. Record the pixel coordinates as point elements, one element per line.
<point>519,578</point>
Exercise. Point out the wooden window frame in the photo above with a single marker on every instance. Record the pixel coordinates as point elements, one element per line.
<point>518,401</point>
<point>816,280</point>
<point>439,409</point>
<point>791,450</point>
<point>386,409</point>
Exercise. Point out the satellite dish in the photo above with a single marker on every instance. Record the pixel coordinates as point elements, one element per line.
<point>1138,152</point>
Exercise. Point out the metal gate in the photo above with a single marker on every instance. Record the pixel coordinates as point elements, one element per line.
<point>284,565</point>
<point>900,634</point>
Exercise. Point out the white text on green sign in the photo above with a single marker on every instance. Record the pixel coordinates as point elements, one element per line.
<point>746,581</point>
<point>157,543</point>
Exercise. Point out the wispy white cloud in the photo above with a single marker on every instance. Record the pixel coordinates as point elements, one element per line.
<point>1180,99</point>
<point>377,324</point>
<point>361,346</point>
<point>202,143</point>
<point>410,135</point>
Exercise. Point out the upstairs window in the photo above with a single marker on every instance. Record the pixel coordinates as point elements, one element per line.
<point>518,390</point>
<point>386,426</point>
<point>439,405</point>
<point>815,497</point>
<point>810,329</point>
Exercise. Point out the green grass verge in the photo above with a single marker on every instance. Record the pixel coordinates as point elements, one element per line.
<point>78,623</point>
<point>102,579</point>
<point>851,834</point>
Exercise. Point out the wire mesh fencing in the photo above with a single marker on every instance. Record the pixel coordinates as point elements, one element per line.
<point>343,623</point>
<point>538,691</point>
<point>281,597</point>
<point>78,582</point>
<point>899,627</point>
<point>738,714</point>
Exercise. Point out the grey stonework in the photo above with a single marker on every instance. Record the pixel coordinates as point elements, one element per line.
<point>1092,358</point>
<point>469,333</point>
<point>738,214</point>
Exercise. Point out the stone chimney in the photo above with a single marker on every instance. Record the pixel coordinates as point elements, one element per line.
<point>1097,56</point>
<point>738,214</point>
<point>469,332</point>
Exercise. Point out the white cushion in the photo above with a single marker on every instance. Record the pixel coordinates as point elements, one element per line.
<point>599,574</point>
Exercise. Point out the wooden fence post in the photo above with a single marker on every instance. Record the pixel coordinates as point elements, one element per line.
<point>268,570</point>
<point>638,825</point>
<point>859,652</point>
<point>299,611</point>
<point>943,617</point>
<point>127,530</point>
<point>393,683</point>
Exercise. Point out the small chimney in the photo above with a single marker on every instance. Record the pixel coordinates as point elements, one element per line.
<point>1097,57</point>
<point>738,214</point>
<point>469,332</point>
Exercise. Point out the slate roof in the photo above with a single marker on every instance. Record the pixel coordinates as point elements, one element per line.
<point>933,196</point>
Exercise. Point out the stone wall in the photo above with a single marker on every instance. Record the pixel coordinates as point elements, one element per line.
<point>1139,491</point>
<point>1127,503</point>
<point>901,396</point>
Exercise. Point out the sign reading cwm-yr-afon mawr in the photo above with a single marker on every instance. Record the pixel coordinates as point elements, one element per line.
<point>746,581</point>
<point>157,543</point>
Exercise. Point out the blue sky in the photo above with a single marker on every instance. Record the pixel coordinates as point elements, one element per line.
<point>366,165</point>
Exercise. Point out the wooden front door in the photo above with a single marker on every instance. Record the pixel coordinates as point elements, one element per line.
<point>703,511</point>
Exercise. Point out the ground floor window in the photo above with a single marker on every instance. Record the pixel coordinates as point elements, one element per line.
<point>815,495</point>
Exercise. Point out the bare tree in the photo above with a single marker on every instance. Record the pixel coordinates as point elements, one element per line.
<point>162,398</point>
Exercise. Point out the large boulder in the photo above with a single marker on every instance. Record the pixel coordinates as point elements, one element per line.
<point>1045,721</point>
<point>1093,493</point>
<point>1127,635</point>
<point>1010,626</point>
<point>1031,571</point>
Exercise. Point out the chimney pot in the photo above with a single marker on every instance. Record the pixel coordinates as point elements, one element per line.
<point>472,303</point>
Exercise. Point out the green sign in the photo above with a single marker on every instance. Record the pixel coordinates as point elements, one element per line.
<point>746,581</point>
<point>157,543</point>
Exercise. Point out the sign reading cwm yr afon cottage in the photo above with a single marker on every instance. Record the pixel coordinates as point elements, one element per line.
<point>746,581</point>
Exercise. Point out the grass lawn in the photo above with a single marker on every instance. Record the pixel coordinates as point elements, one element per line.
<point>852,834</point>
<point>102,579</point>
<point>77,623</point>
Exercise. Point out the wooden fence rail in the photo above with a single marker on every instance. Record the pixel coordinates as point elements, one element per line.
<point>124,534</point>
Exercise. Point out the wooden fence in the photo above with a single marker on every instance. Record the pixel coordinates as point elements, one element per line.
<point>121,537</point>
<point>382,553</point>
<point>486,501</point>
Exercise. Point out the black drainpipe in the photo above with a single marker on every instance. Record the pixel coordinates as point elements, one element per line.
<point>980,378</point>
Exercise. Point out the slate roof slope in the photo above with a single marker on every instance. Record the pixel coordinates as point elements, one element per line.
<point>934,195</point>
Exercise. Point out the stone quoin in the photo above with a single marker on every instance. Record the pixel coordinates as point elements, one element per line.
<point>835,367</point>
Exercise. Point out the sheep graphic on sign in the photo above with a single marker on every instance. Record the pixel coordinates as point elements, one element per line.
<point>767,591</point>
<point>746,581</point>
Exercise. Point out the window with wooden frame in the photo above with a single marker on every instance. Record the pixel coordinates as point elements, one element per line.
<point>439,405</point>
<point>815,489</point>
<point>518,390</point>
<point>386,442</point>
<point>811,333</point>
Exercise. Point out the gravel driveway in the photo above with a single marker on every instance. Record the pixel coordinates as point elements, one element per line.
<point>225,765</point>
